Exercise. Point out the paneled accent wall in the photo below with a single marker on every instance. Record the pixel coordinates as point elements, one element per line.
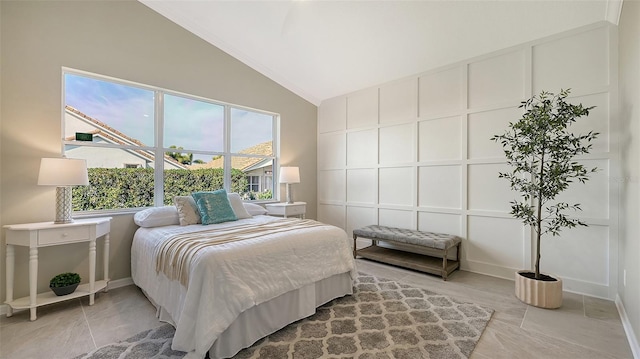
<point>416,153</point>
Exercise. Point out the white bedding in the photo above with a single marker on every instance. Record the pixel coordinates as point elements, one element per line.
<point>227,279</point>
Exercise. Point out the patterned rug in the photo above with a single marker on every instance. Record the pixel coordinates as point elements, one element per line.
<point>384,319</point>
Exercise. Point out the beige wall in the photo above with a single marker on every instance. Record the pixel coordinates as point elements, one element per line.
<point>629,60</point>
<point>126,40</point>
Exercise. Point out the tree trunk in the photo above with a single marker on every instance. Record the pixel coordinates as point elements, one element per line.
<point>539,221</point>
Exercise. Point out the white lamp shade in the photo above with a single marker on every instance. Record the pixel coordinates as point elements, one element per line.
<point>63,172</point>
<point>289,175</point>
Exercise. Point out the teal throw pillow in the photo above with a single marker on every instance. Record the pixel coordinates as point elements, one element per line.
<point>214,207</point>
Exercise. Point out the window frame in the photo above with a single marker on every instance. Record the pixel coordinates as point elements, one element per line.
<point>159,151</point>
<point>251,183</point>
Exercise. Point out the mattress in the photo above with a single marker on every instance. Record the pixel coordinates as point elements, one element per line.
<point>240,291</point>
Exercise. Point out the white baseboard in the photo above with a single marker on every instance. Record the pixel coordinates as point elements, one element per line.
<point>628,329</point>
<point>113,284</point>
<point>117,283</point>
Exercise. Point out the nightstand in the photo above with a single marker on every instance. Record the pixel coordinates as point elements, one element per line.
<point>287,209</point>
<point>44,234</point>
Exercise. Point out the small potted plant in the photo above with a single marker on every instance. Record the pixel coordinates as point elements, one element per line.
<point>540,149</point>
<point>64,283</point>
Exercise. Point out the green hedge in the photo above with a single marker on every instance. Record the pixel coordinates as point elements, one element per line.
<point>113,188</point>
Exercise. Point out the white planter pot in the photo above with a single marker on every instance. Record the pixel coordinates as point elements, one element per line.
<point>543,294</point>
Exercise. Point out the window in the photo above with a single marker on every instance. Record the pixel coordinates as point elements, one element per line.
<point>253,183</point>
<point>144,145</point>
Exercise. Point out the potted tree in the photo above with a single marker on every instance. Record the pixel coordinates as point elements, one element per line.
<point>541,150</point>
<point>64,283</point>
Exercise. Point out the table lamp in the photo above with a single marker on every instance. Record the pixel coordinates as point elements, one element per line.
<point>289,175</point>
<point>63,173</point>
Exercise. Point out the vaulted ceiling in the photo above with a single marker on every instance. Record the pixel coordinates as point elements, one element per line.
<point>322,49</point>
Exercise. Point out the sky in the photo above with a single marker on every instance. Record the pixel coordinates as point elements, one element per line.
<point>130,110</point>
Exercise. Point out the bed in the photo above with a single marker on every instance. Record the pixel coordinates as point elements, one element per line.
<point>254,276</point>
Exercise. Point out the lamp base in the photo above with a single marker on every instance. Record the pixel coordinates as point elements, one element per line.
<point>63,205</point>
<point>289,197</point>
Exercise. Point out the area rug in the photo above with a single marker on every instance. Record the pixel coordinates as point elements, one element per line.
<point>384,319</point>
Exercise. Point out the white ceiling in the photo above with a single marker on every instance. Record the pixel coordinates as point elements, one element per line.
<point>322,49</point>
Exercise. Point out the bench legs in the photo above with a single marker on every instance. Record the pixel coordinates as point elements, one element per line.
<point>355,248</point>
<point>444,261</point>
<point>444,264</point>
<point>355,236</point>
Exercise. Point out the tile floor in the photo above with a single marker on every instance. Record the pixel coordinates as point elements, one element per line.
<point>582,328</point>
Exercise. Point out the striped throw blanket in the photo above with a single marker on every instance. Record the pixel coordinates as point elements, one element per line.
<point>176,254</point>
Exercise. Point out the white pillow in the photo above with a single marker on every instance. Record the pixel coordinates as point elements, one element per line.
<point>238,208</point>
<point>187,210</point>
<point>157,217</point>
<point>254,209</point>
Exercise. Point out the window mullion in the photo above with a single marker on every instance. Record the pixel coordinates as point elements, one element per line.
<point>227,148</point>
<point>275,167</point>
<point>158,172</point>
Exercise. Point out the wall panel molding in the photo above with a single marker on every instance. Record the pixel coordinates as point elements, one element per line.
<point>419,155</point>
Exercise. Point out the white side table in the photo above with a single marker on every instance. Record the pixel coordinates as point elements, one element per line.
<point>287,209</point>
<point>36,235</point>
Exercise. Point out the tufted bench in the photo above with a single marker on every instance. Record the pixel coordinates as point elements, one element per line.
<point>409,238</point>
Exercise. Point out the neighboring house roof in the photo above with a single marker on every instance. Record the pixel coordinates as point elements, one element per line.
<point>243,163</point>
<point>265,162</point>
<point>112,135</point>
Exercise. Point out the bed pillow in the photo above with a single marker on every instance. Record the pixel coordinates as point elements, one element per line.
<point>187,210</point>
<point>214,207</point>
<point>254,209</point>
<point>157,217</point>
<point>238,208</point>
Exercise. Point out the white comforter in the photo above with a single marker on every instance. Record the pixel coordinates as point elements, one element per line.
<point>227,279</point>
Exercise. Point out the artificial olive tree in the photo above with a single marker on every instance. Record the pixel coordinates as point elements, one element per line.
<point>540,148</point>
